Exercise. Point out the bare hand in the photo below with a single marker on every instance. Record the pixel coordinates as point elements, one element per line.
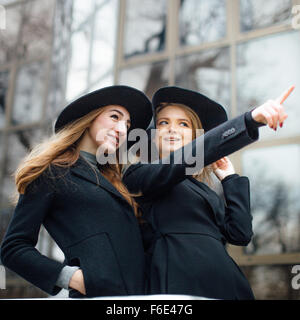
<point>223,168</point>
<point>272,111</point>
<point>77,282</point>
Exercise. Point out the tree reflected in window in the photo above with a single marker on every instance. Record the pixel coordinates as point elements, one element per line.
<point>9,36</point>
<point>254,15</point>
<point>272,282</point>
<point>3,90</point>
<point>201,21</point>
<point>265,68</point>
<point>20,144</point>
<point>36,26</point>
<point>30,89</point>
<point>93,43</point>
<point>275,199</point>
<point>207,72</point>
<point>145,27</point>
<point>148,77</point>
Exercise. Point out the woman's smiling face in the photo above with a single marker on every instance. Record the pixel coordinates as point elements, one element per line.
<point>109,129</point>
<point>174,129</point>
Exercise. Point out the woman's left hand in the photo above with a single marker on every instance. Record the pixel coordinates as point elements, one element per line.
<point>223,168</point>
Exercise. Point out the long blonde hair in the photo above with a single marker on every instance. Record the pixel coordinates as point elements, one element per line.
<point>205,174</point>
<point>61,149</point>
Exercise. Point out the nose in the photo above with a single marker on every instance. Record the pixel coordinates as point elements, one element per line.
<point>172,128</point>
<point>121,127</point>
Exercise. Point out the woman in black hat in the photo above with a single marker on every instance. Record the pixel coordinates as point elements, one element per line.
<point>186,223</point>
<point>84,206</point>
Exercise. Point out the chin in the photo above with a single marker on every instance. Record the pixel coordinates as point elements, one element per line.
<point>167,151</point>
<point>111,150</point>
<point>174,147</point>
<point>107,148</point>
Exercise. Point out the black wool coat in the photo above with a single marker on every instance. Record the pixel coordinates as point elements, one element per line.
<point>92,224</point>
<point>187,224</point>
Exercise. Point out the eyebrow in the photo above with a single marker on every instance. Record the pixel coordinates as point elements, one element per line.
<point>121,113</point>
<point>177,119</point>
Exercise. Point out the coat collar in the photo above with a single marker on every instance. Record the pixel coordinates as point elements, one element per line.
<point>85,170</point>
<point>208,194</point>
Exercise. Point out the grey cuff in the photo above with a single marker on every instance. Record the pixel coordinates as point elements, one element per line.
<point>65,276</point>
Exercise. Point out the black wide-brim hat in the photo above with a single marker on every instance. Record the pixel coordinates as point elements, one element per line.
<point>211,113</point>
<point>134,100</point>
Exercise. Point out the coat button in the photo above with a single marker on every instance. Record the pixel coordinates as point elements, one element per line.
<point>228,132</point>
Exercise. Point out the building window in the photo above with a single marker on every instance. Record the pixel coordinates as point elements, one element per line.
<point>275,198</point>
<point>254,15</point>
<point>145,27</point>
<point>201,21</point>
<point>93,45</point>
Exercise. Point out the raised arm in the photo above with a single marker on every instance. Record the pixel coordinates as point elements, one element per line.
<point>154,178</point>
<point>151,180</point>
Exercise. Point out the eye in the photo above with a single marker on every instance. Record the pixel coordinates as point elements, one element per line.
<point>184,124</point>
<point>162,122</point>
<point>115,116</point>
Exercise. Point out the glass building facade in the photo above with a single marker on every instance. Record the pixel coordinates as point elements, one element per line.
<point>238,52</point>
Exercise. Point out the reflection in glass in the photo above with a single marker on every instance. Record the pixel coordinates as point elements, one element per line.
<point>19,144</point>
<point>207,72</point>
<point>275,198</point>
<point>82,11</point>
<point>36,29</point>
<point>3,215</point>
<point>201,21</point>
<point>148,77</point>
<point>2,148</point>
<point>29,93</point>
<point>145,27</point>
<point>266,67</point>
<point>105,31</point>
<point>92,46</point>
<point>79,61</point>
<point>272,282</point>
<point>257,14</point>
<point>4,2</point>
<point>3,90</point>
<point>101,83</point>
<point>9,36</point>
<point>60,58</point>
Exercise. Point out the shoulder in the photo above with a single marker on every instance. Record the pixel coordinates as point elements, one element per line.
<point>49,180</point>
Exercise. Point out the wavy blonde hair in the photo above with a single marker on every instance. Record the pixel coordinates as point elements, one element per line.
<point>205,174</point>
<point>61,149</point>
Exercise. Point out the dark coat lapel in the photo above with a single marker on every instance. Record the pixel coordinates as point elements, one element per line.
<point>209,195</point>
<point>82,169</point>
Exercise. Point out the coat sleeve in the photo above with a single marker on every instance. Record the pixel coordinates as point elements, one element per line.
<point>152,179</point>
<point>18,251</point>
<point>237,226</point>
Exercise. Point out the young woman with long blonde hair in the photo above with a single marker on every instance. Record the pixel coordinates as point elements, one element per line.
<point>187,224</point>
<point>84,206</point>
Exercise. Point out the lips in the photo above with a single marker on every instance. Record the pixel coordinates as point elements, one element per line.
<point>172,139</point>
<point>113,138</point>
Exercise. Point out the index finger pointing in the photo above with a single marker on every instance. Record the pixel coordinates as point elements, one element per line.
<point>285,95</point>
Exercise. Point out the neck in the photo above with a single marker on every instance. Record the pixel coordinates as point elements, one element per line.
<point>87,145</point>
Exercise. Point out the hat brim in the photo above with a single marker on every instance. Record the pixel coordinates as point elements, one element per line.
<point>135,101</point>
<point>211,113</point>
